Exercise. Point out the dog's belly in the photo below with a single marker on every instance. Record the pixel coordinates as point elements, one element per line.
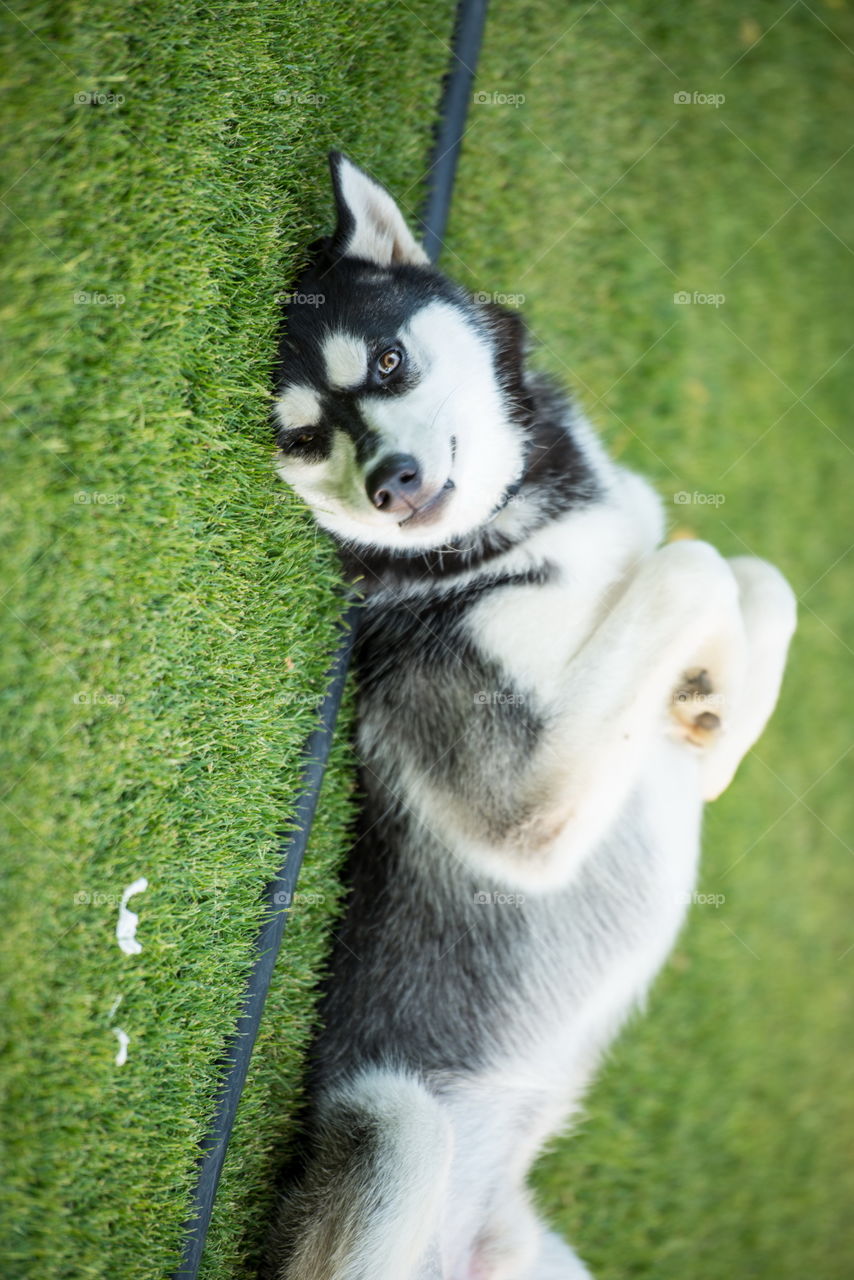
<point>447,973</point>
<point>623,915</point>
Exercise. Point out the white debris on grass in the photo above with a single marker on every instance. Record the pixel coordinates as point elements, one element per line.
<point>124,1041</point>
<point>128,920</point>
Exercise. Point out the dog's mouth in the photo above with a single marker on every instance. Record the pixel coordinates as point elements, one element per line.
<point>430,511</point>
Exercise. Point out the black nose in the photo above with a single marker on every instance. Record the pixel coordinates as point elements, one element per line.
<point>394,483</point>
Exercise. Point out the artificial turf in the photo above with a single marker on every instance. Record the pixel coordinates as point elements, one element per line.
<point>168,610</point>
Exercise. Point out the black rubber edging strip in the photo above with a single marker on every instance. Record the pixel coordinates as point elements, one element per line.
<point>456,94</point>
<point>450,128</point>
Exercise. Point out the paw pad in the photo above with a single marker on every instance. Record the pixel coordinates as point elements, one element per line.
<point>695,722</point>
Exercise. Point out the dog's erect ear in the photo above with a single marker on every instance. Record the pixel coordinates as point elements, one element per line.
<point>370,225</point>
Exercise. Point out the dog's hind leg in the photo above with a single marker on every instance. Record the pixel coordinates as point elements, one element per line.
<point>370,1205</point>
<point>556,1261</point>
<point>517,1245</point>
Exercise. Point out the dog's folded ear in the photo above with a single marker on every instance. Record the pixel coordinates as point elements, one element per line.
<point>370,225</point>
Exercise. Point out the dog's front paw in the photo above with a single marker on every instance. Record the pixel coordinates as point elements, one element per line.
<point>690,584</point>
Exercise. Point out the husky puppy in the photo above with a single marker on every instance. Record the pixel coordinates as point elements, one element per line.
<point>547,696</point>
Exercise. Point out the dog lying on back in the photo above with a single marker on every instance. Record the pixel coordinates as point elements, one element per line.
<point>547,696</point>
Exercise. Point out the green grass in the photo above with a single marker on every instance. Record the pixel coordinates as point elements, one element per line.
<point>717,1141</point>
<point>168,611</point>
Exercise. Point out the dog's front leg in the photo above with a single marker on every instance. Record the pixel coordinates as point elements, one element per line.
<point>680,611</point>
<point>768,609</point>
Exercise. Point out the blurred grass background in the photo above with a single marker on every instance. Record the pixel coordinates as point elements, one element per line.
<point>168,610</point>
<point>718,1140</point>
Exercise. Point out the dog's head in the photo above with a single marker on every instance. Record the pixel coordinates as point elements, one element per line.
<point>396,415</point>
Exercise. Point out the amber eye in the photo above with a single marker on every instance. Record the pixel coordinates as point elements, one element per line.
<point>389,361</point>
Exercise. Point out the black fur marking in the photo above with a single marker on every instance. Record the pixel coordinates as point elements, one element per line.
<point>373,302</point>
<point>434,1017</point>
<point>316,450</point>
<point>340,411</point>
<point>425,627</point>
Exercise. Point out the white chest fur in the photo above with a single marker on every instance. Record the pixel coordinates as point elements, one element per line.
<point>533,631</point>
